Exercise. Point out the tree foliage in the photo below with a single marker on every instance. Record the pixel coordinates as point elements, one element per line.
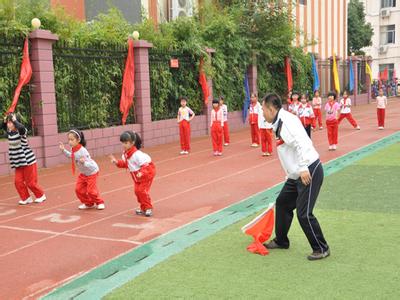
<point>358,30</point>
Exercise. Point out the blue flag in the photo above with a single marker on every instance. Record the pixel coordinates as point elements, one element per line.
<point>246,103</point>
<point>351,76</point>
<point>316,84</point>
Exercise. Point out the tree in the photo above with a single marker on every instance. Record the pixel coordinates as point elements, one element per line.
<point>358,30</point>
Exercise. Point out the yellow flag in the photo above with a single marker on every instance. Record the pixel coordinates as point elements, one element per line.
<point>368,71</point>
<point>336,75</point>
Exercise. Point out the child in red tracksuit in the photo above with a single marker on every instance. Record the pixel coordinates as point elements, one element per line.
<point>316,103</point>
<point>254,110</point>
<point>217,127</point>
<point>185,115</point>
<point>381,103</point>
<point>86,185</point>
<point>345,111</point>
<point>266,135</point>
<point>332,113</point>
<point>141,167</point>
<point>224,108</point>
<point>23,161</point>
<point>306,114</point>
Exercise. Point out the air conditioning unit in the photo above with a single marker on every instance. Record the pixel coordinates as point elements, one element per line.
<point>385,13</point>
<point>180,8</point>
<point>383,49</point>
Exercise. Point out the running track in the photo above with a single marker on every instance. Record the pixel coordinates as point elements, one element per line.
<point>45,245</point>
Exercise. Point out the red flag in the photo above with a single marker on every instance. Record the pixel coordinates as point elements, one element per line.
<point>385,75</point>
<point>203,83</point>
<point>260,229</point>
<point>24,76</point>
<point>288,72</point>
<point>128,84</point>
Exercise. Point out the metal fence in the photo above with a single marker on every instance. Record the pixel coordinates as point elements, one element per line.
<point>88,84</point>
<point>168,82</point>
<point>10,65</point>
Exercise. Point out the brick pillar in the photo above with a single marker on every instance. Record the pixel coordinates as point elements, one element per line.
<point>354,60</point>
<point>368,60</point>
<point>207,108</point>
<point>43,96</point>
<point>252,75</point>
<point>142,88</point>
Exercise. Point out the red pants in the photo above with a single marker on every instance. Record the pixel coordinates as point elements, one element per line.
<point>184,132</point>
<point>255,134</point>
<point>216,136</point>
<point>143,184</point>
<point>318,117</point>
<point>332,128</point>
<point>86,189</point>
<point>226,133</point>
<point>26,178</point>
<point>349,117</point>
<point>380,112</point>
<point>266,140</point>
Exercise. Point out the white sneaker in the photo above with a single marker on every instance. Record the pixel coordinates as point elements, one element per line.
<point>101,206</point>
<point>186,152</point>
<point>330,147</point>
<point>148,212</point>
<point>333,147</point>
<point>25,202</point>
<point>320,128</point>
<point>182,152</point>
<point>358,128</point>
<point>254,145</point>
<point>380,128</point>
<point>219,153</point>
<point>41,199</point>
<point>226,144</point>
<point>84,206</point>
<point>215,153</point>
<point>266,154</point>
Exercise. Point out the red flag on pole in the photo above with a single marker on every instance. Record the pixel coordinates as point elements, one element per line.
<point>288,72</point>
<point>260,229</point>
<point>24,76</point>
<point>128,84</point>
<point>385,75</point>
<point>203,83</point>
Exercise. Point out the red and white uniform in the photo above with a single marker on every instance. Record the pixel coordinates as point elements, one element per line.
<point>317,103</point>
<point>332,126</point>
<point>345,112</point>
<point>217,124</point>
<point>381,103</point>
<point>224,108</point>
<point>142,171</point>
<point>306,114</point>
<point>265,133</point>
<point>184,114</point>
<point>254,110</point>
<point>86,185</point>
<point>294,107</point>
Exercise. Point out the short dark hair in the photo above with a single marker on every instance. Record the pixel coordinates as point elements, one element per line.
<point>272,99</point>
<point>294,93</point>
<point>222,98</point>
<point>79,136</point>
<point>183,98</point>
<point>215,101</point>
<point>133,137</point>
<point>332,93</point>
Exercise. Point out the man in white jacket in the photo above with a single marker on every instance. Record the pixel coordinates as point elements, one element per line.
<point>304,175</point>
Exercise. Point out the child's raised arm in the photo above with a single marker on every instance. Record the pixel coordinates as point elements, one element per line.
<point>123,164</point>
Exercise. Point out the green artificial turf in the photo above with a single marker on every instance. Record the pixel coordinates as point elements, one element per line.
<point>359,212</point>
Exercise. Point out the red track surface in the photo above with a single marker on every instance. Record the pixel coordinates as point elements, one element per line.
<point>45,245</point>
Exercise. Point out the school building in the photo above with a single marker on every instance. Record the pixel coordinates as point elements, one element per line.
<point>384,16</point>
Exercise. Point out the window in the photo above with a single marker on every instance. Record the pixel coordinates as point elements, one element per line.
<point>390,68</point>
<point>303,2</point>
<point>388,3</point>
<point>388,34</point>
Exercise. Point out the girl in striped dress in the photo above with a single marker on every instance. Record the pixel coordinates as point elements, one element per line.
<point>23,160</point>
